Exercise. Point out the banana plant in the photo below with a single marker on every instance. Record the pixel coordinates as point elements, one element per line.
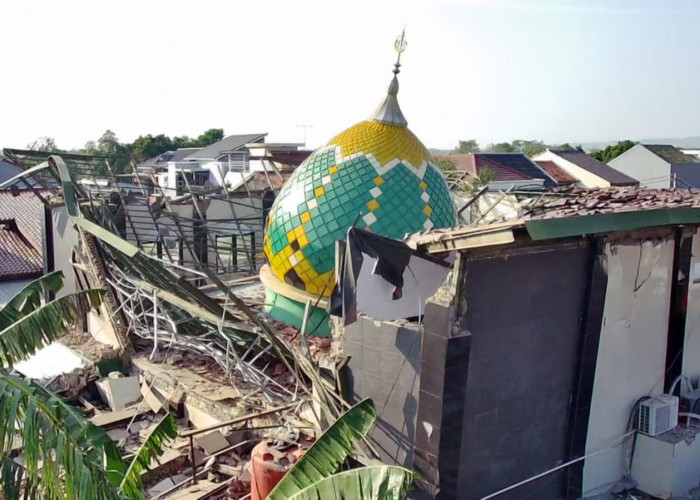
<point>315,476</point>
<point>62,454</point>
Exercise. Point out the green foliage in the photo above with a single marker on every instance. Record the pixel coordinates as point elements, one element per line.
<point>148,146</point>
<point>63,455</point>
<point>152,447</point>
<point>528,148</point>
<point>383,482</point>
<point>46,144</point>
<point>27,325</point>
<point>209,137</point>
<point>486,175</point>
<point>314,475</point>
<point>502,147</point>
<point>327,454</point>
<point>120,155</point>
<point>468,146</point>
<point>567,147</point>
<point>445,164</point>
<point>610,152</point>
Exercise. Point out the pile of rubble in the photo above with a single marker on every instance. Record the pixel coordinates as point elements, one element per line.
<point>219,424</point>
<point>571,201</point>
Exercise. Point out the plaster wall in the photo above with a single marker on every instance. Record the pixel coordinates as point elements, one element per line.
<point>691,348</point>
<point>643,165</point>
<point>586,178</point>
<point>632,350</point>
<point>374,294</point>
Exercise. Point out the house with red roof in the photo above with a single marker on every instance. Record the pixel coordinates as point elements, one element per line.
<point>506,171</point>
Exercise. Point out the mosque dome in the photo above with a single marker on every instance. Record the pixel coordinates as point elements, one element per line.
<point>376,175</point>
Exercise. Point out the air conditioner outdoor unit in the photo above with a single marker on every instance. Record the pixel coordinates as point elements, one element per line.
<point>658,415</point>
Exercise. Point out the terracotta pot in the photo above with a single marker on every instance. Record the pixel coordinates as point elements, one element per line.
<point>268,467</point>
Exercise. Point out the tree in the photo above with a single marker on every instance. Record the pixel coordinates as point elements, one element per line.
<point>486,175</point>
<point>445,164</point>
<point>209,137</point>
<point>567,147</point>
<point>148,146</point>
<point>46,144</point>
<point>63,455</point>
<point>469,146</point>
<point>316,474</point>
<point>502,147</point>
<point>613,151</point>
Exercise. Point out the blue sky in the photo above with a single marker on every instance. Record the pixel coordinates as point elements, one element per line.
<point>494,70</point>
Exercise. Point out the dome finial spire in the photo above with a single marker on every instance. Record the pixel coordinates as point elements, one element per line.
<point>400,45</point>
<point>389,111</point>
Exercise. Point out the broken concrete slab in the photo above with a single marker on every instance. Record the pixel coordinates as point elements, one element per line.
<point>198,417</point>
<point>115,417</point>
<point>117,435</point>
<point>119,393</point>
<point>212,442</point>
<point>166,484</point>
<point>202,489</point>
<point>154,402</point>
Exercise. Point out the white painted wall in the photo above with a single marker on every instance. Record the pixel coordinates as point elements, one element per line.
<point>65,238</point>
<point>9,289</point>
<point>374,295</point>
<point>632,351</point>
<point>585,178</point>
<point>691,348</point>
<point>643,165</point>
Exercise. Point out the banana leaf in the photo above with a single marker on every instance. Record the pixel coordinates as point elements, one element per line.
<point>381,482</point>
<point>35,327</point>
<point>326,455</point>
<point>62,455</point>
<point>152,447</point>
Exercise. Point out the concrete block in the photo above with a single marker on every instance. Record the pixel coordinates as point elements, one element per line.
<point>199,418</point>
<point>212,442</point>
<point>119,393</point>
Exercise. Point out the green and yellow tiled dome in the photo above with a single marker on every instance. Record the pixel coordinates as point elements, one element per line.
<point>377,175</point>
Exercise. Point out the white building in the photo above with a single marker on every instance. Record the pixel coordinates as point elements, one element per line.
<point>232,160</point>
<point>659,166</point>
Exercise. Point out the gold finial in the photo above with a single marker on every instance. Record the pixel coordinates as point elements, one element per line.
<point>399,45</point>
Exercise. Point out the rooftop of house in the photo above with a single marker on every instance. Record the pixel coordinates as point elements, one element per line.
<point>568,202</point>
<point>27,210</point>
<point>162,159</point>
<point>18,258</point>
<point>505,167</point>
<point>500,171</point>
<point>8,171</point>
<point>573,212</point>
<point>518,162</point>
<point>598,168</point>
<point>669,153</point>
<point>226,145</point>
<point>560,175</point>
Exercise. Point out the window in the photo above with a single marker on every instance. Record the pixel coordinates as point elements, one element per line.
<point>193,179</point>
<point>238,162</point>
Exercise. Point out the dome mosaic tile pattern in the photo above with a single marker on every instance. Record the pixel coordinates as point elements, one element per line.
<point>378,174</point>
